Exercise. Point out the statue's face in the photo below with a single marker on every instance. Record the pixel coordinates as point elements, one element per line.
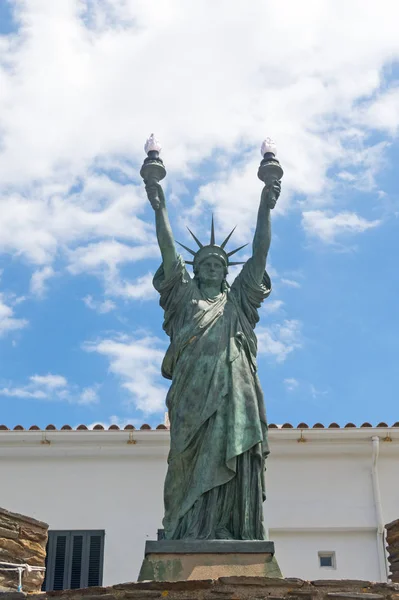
<point>211,271</point>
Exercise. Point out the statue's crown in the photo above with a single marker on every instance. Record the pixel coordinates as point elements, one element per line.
<point>211,249</point>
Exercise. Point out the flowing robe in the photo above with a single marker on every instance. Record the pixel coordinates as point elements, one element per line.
<point>214,488</point>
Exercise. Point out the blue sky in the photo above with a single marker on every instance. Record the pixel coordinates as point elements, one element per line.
<point>82,84</point>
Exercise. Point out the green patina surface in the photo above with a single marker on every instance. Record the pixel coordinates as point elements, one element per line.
<point>214,487</point>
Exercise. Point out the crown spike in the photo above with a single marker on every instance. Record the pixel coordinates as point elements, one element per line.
<point>196,239</point>
<point>212,242</point>
<point>241,262</point>
<point>222,245</point>
<point>236,250</point>
<point>186,248</point>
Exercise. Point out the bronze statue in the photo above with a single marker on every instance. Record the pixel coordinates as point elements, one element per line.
<point>214,488</point>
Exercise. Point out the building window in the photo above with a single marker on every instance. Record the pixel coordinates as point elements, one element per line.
<point>327,560</point>
<point>74,560</point>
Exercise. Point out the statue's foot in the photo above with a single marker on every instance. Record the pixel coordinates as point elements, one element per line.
<point>223,534</point>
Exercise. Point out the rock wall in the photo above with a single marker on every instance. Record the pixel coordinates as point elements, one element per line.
<point>393,548</point>
<point>22,541</point>
<point>228,588</point>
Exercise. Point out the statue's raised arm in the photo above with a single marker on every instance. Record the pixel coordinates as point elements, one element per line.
<point>152,172</point>
<point>270,172</point>
<point>162,224</point>
<point>262,237</point>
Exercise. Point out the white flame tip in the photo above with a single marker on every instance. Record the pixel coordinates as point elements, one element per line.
<point>268,145</point>
<point>152,144</point>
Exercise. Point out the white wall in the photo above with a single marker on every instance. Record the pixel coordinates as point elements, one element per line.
<point>320,494</point>
<point>356,554</point>
<point>121,495</point>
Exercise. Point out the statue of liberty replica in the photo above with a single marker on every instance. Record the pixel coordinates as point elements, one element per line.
<point>214,488</point>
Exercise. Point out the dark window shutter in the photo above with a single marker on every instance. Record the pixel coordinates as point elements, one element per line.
<point>76,561</point>
<point>95,560</point>
<point>59,563</point>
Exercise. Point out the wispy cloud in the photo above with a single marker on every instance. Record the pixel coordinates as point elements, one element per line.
<point>328,227</point>
<point>280,339</point>
<point>8,321</point>
<point>100,306</point>
<point>38,281</point>
<point>290,283</point>
<point>272,306</point>
<point>137,363</point>
<point>49,381</point>
<point>291,383</point>
<point>52,388</point>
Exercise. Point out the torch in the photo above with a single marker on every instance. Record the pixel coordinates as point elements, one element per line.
<point>153,170</point>
<point>270,170</point>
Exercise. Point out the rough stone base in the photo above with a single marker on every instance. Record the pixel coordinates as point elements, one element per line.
<point>181,560</point>
<point>392,538</point>
<point>22,540</point>
<point>226,588</point>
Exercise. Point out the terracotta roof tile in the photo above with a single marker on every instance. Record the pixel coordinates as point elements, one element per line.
<point>162,426</point>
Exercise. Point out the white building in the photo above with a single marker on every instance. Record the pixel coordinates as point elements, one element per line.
<point>330,491</point>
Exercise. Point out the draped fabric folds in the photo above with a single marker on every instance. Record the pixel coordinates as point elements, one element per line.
<point>214,486</point>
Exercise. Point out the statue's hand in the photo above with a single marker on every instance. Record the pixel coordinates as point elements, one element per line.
<point>271,193</point>
<point>155,194</point>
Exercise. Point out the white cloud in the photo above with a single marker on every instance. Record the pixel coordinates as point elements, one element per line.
<point>38,281</point>
<point>137,362</point>
<point>53,388</point>
<point>327,226</point>
<point>96,100</point>
<point>108,254</point>
<point>315,393</point>
<point>104,259</point>
<point>280,339</point>
<point>49,381</point>
<point>383,112</point>
<point>8,322</point>
<point>140,289</point>
<point>102,307</point>
<point>89,395</point>
<point>23,393</point>
<point>290,283</point>
<point>291,383</point>
<point>272,306</point>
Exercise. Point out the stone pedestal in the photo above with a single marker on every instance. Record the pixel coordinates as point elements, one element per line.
<point>184,560</point>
